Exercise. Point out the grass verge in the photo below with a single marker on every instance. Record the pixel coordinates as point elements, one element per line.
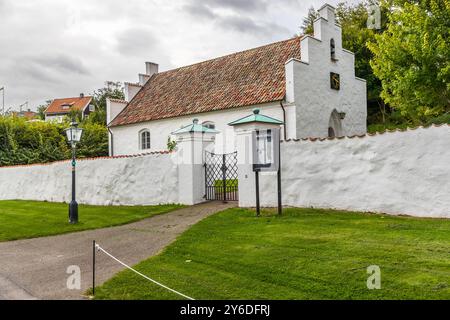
<point>31,219</point>
<point>304,254</point>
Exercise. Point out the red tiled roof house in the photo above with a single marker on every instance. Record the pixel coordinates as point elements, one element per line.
<point>307,82</point>
<point>60,108</point>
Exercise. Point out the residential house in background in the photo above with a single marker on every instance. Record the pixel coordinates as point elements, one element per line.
<point>60,108</point>
<point>28,114</point>
<point>307,82</point>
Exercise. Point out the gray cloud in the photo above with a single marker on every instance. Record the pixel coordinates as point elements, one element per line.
<point>4,8</point>
<point>239,5</point>
<point>57,48</point>
<point>60,63</point>
<point>136,41</point>
<point>26,70</point>
<point>240,19</point>
<point>199,11</point>
<point>246,25</point>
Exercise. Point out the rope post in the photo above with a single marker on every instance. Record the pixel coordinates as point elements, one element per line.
<point>93,267</point>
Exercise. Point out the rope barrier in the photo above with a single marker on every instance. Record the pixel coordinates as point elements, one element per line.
<point>142,275</point>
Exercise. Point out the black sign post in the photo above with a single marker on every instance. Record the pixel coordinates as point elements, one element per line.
<point>280,205</point>
<point>266,157</point>
<point>258,207</point>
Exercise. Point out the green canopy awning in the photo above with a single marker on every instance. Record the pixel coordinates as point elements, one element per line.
<point>256,117</point>
<point>195,127</point>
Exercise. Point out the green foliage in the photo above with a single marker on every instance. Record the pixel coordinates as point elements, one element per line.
<point>94,141</point>
<point>412,58</point>
<point>355,36</point>
<point>307,26</point>
<point>75,115</point>
<point>397,121</point>
<point>24,142</point>
<point>113,90</point>
<point>41,109</point>
<point>171,144</point>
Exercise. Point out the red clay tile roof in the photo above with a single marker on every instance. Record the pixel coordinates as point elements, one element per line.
<point>245,78</point>
<point>56,107</point>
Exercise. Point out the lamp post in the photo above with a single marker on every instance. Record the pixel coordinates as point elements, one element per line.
<point>73,136</point>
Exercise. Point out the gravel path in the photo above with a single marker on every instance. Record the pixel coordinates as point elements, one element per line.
<point>37,268</point>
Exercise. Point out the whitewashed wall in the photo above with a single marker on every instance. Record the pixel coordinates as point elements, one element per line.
<point>308,83</point>
<point>141,180</point>
<point>396,173</point>
<point>126,138</point>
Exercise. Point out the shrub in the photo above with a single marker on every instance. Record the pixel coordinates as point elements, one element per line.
<point>24,142</point>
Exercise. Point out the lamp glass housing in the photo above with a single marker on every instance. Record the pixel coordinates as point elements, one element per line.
<point>74,134</point>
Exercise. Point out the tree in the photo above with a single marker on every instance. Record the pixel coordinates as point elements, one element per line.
<point>41,109</point>
<point>307,26</point>
<point>113,90</point>
<point>412,58</point>
<point>355,37</point>
<point>75,115</point>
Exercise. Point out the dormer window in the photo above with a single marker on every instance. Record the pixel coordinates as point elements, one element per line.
<point>333,50</point>
<point>67,106</point>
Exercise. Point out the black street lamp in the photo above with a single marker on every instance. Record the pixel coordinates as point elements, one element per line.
<point>73,135</point>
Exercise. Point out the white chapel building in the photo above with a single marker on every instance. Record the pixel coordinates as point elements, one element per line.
<point>307,82</point>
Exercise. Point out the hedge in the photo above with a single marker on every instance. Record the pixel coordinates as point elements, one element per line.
<point>23,142</point>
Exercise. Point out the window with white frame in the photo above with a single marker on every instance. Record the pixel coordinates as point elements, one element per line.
<point>209,125</point>
<point>144,139</point>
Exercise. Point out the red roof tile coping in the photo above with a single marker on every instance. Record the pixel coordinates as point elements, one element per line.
<point>118,100</point>
<point>368,134</point>
<point>90,159</point>
<point>78,103</point>
<point>240,79</point>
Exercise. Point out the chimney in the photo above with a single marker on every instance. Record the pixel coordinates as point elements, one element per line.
<point>81,95</point>
<point>143,78</point>
<point>151,68</point>
<point>328,13</point>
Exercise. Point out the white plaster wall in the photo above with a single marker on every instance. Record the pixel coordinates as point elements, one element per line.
<point>395,173</point>
<point>143,180</point>
<point>113,108</point>
<point>308,85</point>
<point>58,119</point>
<point>130,90</point>
<point>126,138</point>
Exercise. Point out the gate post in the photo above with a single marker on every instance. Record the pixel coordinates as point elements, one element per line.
<point>192,141</point>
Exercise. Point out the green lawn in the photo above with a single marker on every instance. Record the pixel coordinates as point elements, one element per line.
<point>30,219</point>
<point>305,254</point>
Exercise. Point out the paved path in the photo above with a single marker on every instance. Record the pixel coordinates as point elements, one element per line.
<point>36,268</point>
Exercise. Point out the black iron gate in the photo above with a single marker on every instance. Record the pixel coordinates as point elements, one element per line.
<point>221,176</point>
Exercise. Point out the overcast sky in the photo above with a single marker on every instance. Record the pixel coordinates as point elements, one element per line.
<point>60,48</point>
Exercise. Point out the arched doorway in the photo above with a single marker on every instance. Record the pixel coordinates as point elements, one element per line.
<point>335,125</point>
